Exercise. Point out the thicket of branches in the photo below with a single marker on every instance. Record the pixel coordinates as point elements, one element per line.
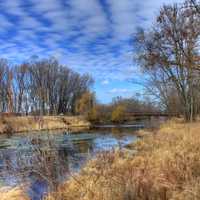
<point>42,87</point>
<point>169,53</point>
<point>119,110</point>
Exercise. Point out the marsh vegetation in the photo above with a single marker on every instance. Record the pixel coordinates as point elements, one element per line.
<point>39,162</point>
<point>165,165</point>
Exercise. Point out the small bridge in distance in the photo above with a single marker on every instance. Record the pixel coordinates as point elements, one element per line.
<point>150,114</point>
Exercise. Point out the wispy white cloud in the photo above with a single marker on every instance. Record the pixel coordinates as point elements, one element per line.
<point>119,91</point>
<point>90,36</point>
<point>105,82</point>
<point>12,7</point>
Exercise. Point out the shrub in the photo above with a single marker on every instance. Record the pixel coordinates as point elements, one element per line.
<point>118,114</point>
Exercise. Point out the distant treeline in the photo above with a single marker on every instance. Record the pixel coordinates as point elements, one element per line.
<point>42,87</point>
<point>120,110</point>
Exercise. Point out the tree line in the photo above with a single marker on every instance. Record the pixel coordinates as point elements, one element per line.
<point>169,54</point>
<point>41,87</point>
<point>120,110</point>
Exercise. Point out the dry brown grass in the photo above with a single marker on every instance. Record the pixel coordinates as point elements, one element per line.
<point>30,123</point>
<point>166,167</point>
<point>12,194</point>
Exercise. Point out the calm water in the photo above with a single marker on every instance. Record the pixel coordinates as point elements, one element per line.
<point>43,160</point>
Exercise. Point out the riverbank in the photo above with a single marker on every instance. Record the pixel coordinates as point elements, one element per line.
<point>14,124</point>
<point>166,165</point>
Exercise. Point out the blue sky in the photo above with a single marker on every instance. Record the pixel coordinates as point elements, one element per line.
<point>90,36</point>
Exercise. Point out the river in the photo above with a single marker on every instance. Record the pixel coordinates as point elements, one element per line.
<point>40,161</point>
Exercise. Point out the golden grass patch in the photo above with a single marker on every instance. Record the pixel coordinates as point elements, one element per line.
<point>30,123</point>
<point>166,167</point>
<point>12,194</point>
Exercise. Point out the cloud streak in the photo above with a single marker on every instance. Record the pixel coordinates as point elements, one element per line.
<point>92,36</point>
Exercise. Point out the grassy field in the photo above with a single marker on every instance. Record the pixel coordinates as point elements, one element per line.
<point>166,165</point>
<point>12,194</point>
<point>30,123</point>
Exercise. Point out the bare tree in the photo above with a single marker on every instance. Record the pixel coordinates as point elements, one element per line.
<point>196,4</point>
<point>6,95</point>
<point>20,85</point>
<point>172,47</point>
<point>41,87</point>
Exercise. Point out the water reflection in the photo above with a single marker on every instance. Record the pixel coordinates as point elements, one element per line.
<point>40,161</point>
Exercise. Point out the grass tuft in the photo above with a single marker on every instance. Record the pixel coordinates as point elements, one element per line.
<point>166,166</point>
